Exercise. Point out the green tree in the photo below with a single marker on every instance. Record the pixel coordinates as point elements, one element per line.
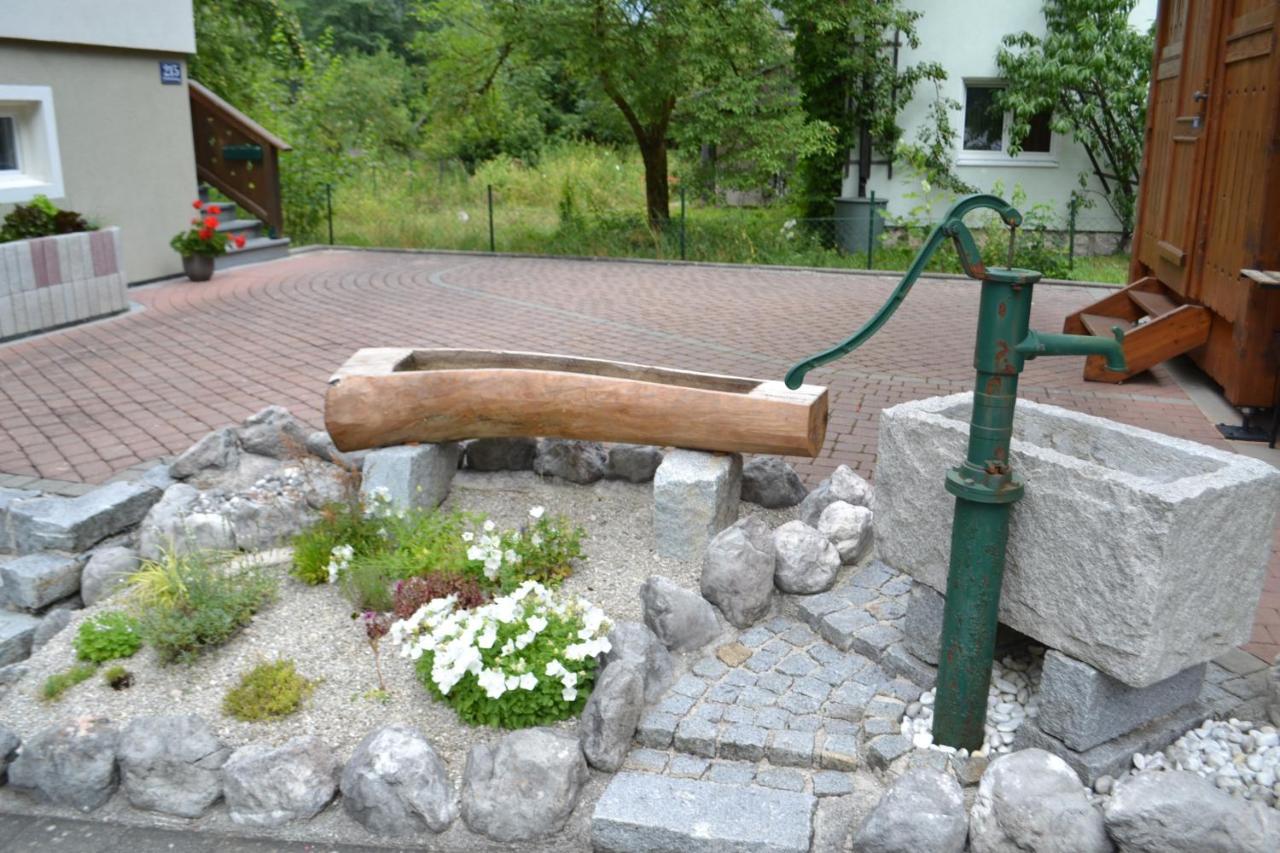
<point>850,80</point>
<point>359,26</point>
<point>245,50</point>
<point>1092,69</point>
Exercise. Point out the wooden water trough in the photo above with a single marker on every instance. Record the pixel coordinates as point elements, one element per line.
<point>385,396</point>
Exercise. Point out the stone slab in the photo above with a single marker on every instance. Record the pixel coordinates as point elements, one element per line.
<point>35,580</point>
<point>695,496</point>
<point>416,476</point>
<point>922,626</point>
<point>74,524</point>
<point>1114,757</point>
<point>17,630</point>
<point>643,813</point>
<point>7,498</point>
<point>1083,707</point>
<point>1135,552</point>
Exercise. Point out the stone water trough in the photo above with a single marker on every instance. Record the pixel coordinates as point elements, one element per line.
<point>1135,552</point>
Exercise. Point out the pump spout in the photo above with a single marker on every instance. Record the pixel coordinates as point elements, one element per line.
<point>1043,343</point>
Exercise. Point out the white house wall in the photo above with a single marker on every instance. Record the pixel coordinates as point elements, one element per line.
<point>159,25</point>
<point>964,36</point>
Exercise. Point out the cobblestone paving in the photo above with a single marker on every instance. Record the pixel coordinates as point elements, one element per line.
<point>785,706</point>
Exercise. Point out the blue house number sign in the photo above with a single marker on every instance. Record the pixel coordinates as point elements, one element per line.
<point>171,73</point>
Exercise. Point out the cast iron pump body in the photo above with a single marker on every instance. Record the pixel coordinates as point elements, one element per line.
<point>984,484</point>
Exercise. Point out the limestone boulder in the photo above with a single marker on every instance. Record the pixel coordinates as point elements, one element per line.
<point>635,463</point>
<point>271,786</point>
<point>9,743</point>
<point>219,450</point>
<point>681,620</point>
<point>171,764</point>
<point>1031,800</point>
<point>581,462</point>
<point>848,527</point>
<point>1182,812</point>
<point>397,784</point>
<point>611,715</point>
<point>70,764</point>
<point>77,524</point>
<point>771,482</point>
<point>737,572</point>
<point>633,642</point>
<point>275,433</point>
<point>922,813</point>
<point>805,561</point>
<point>843,485</point>
<point>106,572</point>
<point>524,787</point>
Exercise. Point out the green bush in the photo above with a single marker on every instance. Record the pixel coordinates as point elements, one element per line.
<point>208,605</point>
<point>339,524</point>
<point>60,682</point>
<point>108,636</point>
<point>269,691</point>
<point>118,678</point>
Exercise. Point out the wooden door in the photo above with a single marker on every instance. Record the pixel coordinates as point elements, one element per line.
<point>1181,90</point>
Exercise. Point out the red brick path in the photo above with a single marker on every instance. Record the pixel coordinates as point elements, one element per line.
<point>86,403</point>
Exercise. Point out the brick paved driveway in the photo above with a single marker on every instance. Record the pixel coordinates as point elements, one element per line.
<point>87,403</point>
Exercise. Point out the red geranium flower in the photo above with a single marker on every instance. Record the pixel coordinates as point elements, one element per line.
<point>214,209</point>
<point>205,233</point>
<point>239,241</point>
<point>197,204</point>
<point>211,222</point>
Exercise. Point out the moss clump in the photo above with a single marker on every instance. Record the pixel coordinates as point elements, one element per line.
<point>118,678</point>
<point>60,682</point>
<point>269,691</point>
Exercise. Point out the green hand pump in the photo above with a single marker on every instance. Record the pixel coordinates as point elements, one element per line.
<point>985,485</point>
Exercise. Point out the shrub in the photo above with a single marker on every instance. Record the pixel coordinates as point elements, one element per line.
<point>118,678</point>
<point>60,682</point>
<point>203,606</point>
<point>269,691</point>
<point>339,524</point>
<point>523,659</point>
<point>40,218</point>
<point>412,593</point>
<point>108,636</point>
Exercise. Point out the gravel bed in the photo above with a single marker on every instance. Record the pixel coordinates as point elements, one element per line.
<point>315,627</point>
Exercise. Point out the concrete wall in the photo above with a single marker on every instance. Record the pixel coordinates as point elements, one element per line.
<point>964,37</point>
<point>124,140</point>
<point>164,25</point>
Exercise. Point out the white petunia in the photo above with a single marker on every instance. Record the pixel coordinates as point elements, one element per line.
<point>536,540</point>
<point>537,624</point>
<point>554,668</point>
<point>569,694</point>
<point>528,681</point>
<point>467,536</point>
<point>475,552</point>
<point>489,526</point>
<point>569,679</point>
<point>511,556</point>
<point>492,682</point>
<point>536,512</point>
<point>488,638</point>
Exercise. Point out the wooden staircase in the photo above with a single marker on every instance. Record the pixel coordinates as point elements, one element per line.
<point>1156,326</point>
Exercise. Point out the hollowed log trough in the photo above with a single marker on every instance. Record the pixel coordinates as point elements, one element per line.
<point>389,396</point>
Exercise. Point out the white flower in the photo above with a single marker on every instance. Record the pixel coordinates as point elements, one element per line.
<point>569,694</point>
<point>554,668</point>
<point>537,624</point>
<point>488,638</point>
<point>489,526</point>
<point>536,539</point>
<point>525,639</point>
<point>569,679</point>
<point>492,682</point>
<point>528,681</point>
<point>503,609</point>
<point>475,552</point>
<point>467,536</point>
<point>513,682</point>
<point>507,648</point>
<point>511,557</point>
<point>536,512</point>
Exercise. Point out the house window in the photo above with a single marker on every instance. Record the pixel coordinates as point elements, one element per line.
<point>30,163</point>
<point>986,131</point>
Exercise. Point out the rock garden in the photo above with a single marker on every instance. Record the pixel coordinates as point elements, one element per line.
<point>545,644</point>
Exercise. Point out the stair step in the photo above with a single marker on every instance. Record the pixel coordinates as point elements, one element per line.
<point>256,251</point>
<point>246,227</point>
<point>1098,325</point>
<point>1155,304</point>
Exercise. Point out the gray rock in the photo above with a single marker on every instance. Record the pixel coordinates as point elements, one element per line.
<point>501,454</point>
<point>256,525</point>
<point>75,524</point>
<point>171,764</point>
<point>71,764</point>
<point>219,449</point>
<point>396,784</point>
<point>1273,700</point>
<point>635,463</point>
<point>842,485</point>
<point>611,715</point>
<point>737,572</point>
<point>17,631</point>
<point>8,497</point>
<point>158,476</point>
<point>576,461</point>
<point>524,787</point>
<point>883,750</point>
<point>1083,707</point>
<point>173,524</point>
<point>634,642</point>
<point>681,620</point>
<point>417,476</point>
<point>695,496</point>
<point>270,786</point>
<point>922,813</point>
<point>320,445</point>
<point>1182,812</point>
<point>923,624</point>
<point>33,581</point>
<point>107,571</point>
<point>806,562</point>
<point>771,482</point>
<point>274,432</point>
<point>646,812</point>
<point>14,672</point>
<point>1140,599</point>
<point>50,626</point>
<point>9,743</point>
<point>1031,800</point>
<point>848,527</point>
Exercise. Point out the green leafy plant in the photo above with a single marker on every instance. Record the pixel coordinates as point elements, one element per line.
<point>108,636</point>
<point>118,678</point>
<point>203,237</point>
<point>269,691</point>
<point>339,524</point>
<point>189,604</point>
<point>60,682</point>
<point>40,218</point>
<point>524,659</point>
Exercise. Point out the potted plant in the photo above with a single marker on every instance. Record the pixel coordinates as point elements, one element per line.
<point>203,242</point>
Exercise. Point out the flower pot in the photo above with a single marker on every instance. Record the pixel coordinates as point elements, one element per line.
<point>198,267</point>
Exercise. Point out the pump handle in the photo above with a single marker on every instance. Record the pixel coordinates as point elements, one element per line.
<point>952,225</point>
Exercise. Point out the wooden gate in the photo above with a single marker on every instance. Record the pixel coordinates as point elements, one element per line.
<point>1209,204</point>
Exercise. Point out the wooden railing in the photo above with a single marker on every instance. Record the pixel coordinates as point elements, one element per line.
<point>237,155</point>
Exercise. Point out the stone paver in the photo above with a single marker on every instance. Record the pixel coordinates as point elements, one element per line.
<point>85,404</point>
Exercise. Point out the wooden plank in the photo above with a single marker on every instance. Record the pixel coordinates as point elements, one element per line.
<point>1155,304</point>
<point>1170,252</point>
<point>1116,304</point>
<point>1153,342</point>
<point>1101,326</point>
<point>1266,278</point>
<point>383,397</point>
